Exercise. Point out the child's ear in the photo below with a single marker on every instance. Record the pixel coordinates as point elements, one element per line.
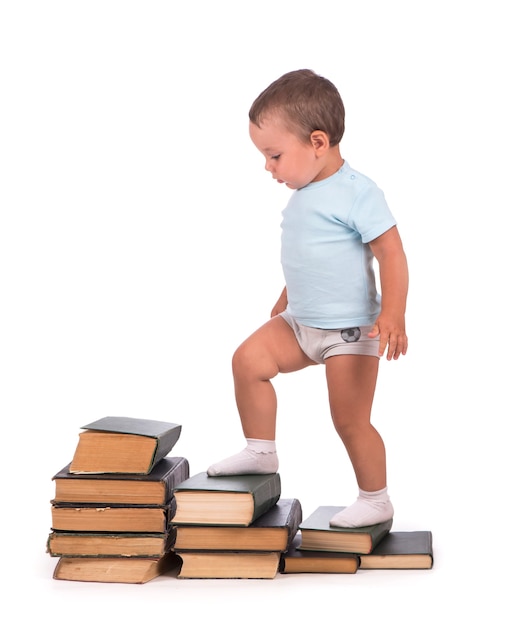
<point>320,141</point>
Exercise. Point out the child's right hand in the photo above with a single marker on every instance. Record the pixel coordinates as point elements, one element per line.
<point>281,304</point>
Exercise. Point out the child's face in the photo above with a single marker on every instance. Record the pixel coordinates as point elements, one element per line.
<point>288,158</point>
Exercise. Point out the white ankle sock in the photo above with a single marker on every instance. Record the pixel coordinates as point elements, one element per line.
<point>259,457</point>
<point>371,507</point>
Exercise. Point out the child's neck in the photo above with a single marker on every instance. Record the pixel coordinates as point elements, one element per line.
<point>332,162</point>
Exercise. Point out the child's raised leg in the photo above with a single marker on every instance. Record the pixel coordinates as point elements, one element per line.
<point>271,349</point>
<point>351,384</point>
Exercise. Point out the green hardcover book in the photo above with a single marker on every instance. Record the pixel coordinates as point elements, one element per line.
<point>147,545</point>
<point>123,445</point>
<point>153,488</point>
<point>317,534</point>
<point>401,550</point>
<point>297,561</point>
<point>273,530</point>
<point>225,500</point>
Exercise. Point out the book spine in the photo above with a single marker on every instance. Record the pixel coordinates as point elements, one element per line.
<point>379,532</point>
<point>267,495</point>
<point>180,473</point>
<point>295,518</point>
<point>165,443</point>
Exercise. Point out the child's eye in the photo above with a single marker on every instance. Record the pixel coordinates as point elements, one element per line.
<point>275,157</point>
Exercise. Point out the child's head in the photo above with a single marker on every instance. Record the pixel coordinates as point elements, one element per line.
<point>305,102</point>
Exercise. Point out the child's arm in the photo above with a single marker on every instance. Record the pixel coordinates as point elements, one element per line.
<point>390,325</point>
<point>281,304</point>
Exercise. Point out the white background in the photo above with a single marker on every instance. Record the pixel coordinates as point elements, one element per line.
<point>139,245</point>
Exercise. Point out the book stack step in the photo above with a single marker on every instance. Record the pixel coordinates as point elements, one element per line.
<point>321,548</point>
<point>114,502</point>
<point>125,511</point>
<point>233,526</point>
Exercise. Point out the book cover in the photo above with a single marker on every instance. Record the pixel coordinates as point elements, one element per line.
<point>273,530</point>
<point>115,570</point>
<point>296,561</point>
<point>115,518</point>
<point>225,500</point>
<point>229,564</point>
<point>401,550</point>
<point>317,534</point>
<point>153,488</point>
<point>90,544</point>
<point>123,445</point>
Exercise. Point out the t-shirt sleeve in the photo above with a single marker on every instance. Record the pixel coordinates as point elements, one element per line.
<point>370,215</point>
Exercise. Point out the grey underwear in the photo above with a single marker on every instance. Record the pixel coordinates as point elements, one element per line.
<point>319,344</point>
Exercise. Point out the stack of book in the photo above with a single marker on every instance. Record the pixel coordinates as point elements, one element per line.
<point>114,502</point>
<point>233,526</point>
<point>320,548</point>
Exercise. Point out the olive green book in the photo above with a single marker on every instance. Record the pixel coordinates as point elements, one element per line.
<point>225,500</point>
<point>401,550</point>
<point>123,445</point>
<point>318,534</point>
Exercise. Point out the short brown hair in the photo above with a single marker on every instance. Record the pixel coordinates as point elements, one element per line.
<point>307,101</point>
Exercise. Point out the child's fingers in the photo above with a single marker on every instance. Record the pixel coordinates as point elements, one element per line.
<point>374,332</point>
<point>383,340</point>
<point>397,345</point>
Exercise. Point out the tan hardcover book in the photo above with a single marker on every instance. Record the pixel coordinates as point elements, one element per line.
<point>229,564</point>
<point>296,561</point>
<point>111,518</point>
<point>62,543</point>
<point>114,570</point>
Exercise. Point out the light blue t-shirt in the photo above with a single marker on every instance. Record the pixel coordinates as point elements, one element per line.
<point>326,259</point>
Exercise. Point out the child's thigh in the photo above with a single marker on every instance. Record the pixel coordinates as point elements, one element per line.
<point>274,345</point>
<point>351,380</point>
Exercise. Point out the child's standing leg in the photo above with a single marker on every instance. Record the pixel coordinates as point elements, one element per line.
<point>271,349</point>
<point>351,384</point>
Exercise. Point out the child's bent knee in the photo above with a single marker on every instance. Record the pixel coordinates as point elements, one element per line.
<point>255,361</point>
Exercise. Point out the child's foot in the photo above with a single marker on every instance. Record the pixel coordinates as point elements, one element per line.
<point>259,457</point>
<point>371,507</point>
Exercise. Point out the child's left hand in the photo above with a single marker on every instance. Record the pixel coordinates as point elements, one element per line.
<point>392,337</point>
<point>390,326</point>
